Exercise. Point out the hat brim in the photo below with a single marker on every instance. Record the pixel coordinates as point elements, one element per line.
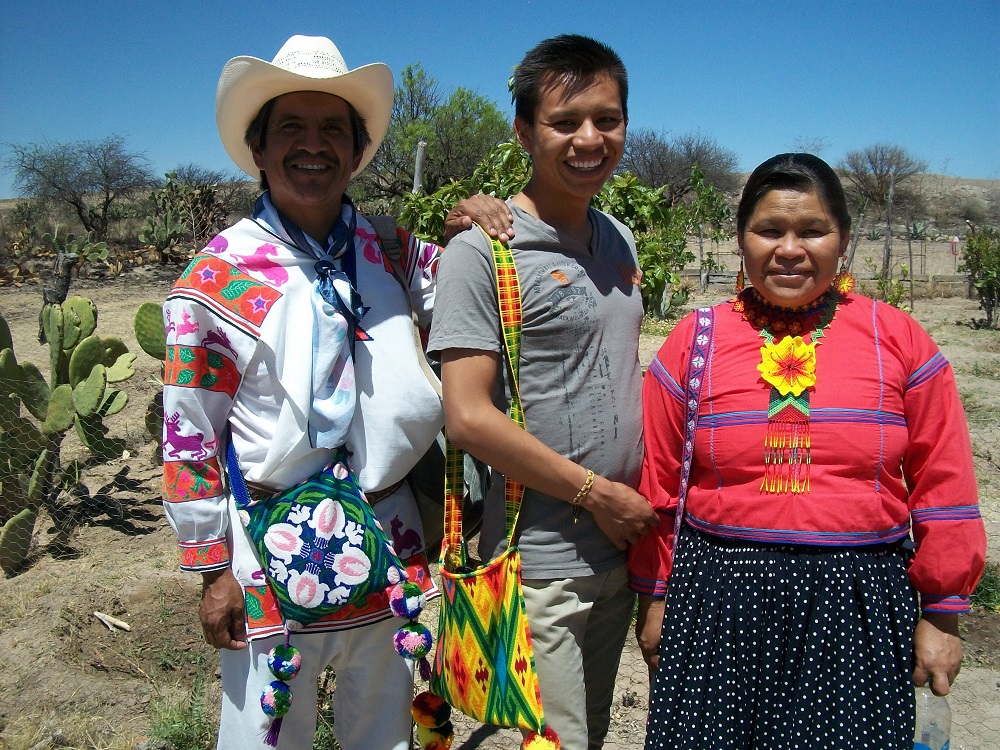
<point>248,83</point>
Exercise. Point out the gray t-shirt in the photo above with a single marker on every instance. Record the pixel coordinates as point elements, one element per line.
<point>579,374</point>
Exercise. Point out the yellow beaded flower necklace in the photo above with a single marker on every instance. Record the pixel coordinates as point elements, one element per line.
<point>788,366</point>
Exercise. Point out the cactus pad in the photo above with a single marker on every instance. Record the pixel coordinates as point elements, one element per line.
<point>149,331</point>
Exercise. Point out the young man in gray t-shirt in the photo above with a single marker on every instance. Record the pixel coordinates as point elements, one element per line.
<point>579,379</point>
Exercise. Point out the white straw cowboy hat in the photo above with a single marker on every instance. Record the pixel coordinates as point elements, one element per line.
<point>304,63</point>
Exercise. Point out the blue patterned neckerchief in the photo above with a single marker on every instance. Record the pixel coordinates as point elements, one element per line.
<point>336,246</point>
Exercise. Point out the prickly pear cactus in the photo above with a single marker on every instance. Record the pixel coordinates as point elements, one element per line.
<point>36,414</point>
<point>152,338</point>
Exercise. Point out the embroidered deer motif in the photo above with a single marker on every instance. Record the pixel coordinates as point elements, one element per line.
<point>220,339</point>
<point>187,325</point>
<point>258,263</point>
<point>410,540</point>
<point>192,444</point>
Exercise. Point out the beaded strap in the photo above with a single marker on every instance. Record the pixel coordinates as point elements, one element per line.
<point>701,345</point>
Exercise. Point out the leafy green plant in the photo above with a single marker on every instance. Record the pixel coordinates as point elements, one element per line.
<point>81,393</point>
<point>890,289</point>
<point>661,231</point>
<point>874,234</point>
<point>917,230</point>
<point>187,725</point>
<point>981,261</point>
<point>987,593</point>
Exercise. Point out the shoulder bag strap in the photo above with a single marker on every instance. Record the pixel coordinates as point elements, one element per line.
<point>392,248</point>
<point>701,345</point>
<point>453,553</point>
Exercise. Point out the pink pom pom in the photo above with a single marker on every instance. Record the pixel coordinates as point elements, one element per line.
<point>413,641</point>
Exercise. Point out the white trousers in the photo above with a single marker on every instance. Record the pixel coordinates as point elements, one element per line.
<point>578,629</point>
<point>371,703</point>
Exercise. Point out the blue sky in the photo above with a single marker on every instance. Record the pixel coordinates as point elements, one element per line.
<point>755,76</point>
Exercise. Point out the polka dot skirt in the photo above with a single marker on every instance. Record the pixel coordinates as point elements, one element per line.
<point>768,647</point>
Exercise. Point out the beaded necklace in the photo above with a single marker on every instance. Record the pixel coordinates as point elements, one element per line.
<point>788,366</point>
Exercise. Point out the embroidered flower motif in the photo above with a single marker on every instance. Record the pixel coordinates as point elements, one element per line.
<point>305,589</point>
<point>789,365</point>
<point>352,566</point>
<point>284,541</point>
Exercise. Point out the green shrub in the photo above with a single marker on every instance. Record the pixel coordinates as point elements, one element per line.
<point>987,593</point>
<point>981,260</point>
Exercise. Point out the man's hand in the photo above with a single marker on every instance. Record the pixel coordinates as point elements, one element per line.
<point>488,212</point>
<point>937,651</point>
<point>648,625</point>
<point>221,610</point>
<point>620,512</point>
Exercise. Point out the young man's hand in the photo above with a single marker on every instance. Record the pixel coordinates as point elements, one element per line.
<point>620,512</point>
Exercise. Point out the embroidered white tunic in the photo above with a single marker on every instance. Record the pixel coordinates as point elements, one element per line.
<point>253,348</point>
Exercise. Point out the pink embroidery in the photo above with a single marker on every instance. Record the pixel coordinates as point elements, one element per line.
<point>217,245</point>
<point>258,263</point>
<point>188,326</point>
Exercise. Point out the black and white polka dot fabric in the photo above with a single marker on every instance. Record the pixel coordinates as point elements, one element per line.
<point>773,647</point>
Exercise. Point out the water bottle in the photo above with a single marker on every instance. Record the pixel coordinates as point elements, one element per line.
<point>933,729</point>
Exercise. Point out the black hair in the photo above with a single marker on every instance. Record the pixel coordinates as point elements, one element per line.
<point>801,172</point>
<point>256,132</point>
<point>574,61</point>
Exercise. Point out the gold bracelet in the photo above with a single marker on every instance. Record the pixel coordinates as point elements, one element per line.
<point>584,491</point>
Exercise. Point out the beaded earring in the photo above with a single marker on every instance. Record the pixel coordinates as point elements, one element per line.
<point>740,278</point>
<point>844,281</point>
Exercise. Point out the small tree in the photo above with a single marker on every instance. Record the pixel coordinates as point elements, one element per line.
<point>90,177</point>
<point>658,161</point>
<point>875,174</point>
<point>981,260</point>
<point>459,130</point>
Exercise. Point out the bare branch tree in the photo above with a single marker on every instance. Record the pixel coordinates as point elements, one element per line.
<point>90,177</point>
<point>657,161</point>
<point>875,174</point>
<point>871,171</point>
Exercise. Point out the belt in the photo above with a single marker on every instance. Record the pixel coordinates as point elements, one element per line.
<point>375,496</point>
<point>259,492</point>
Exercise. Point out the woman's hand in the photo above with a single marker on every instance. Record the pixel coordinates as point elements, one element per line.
<point>648,625</point>
<point>937,651</point>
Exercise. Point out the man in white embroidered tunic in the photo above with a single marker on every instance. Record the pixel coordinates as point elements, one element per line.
<point>289,364</point>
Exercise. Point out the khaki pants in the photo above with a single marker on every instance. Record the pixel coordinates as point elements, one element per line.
<point>578,629</point>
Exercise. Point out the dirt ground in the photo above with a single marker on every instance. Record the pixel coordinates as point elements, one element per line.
<point>68,680</point>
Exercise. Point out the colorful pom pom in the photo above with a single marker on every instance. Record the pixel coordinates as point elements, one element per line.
<point>284,661</point>
<point>436,738</point>
<point>547,740</point>
<point>413,641</point>
<point>430,710</point>
<point>276,699</point>
<point>407,600</point>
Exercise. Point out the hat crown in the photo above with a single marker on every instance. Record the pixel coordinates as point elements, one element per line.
<point>312,56</point>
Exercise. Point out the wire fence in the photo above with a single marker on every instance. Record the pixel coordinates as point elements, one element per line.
<point>78,453</point>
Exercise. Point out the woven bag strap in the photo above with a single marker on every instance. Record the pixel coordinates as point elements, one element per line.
<point>698,357</point>
<point>509,305</point>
